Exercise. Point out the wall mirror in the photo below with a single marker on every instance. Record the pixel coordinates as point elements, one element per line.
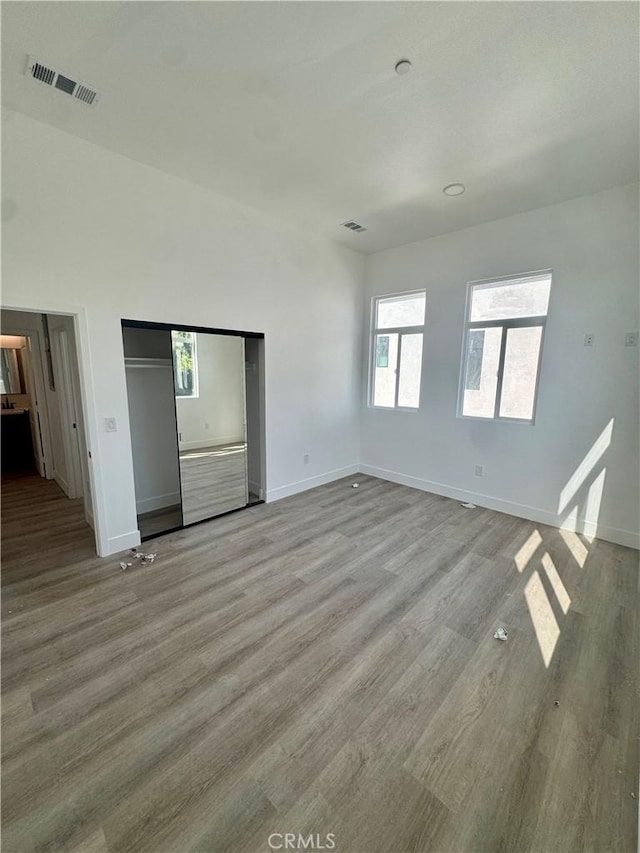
<point>12,379</point>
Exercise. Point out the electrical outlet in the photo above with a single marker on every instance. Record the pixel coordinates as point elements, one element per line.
<point>110,425</point>
<point>588,339</point>
<point>631,339</point>
<point>479,470</point>
<point>305,458</point>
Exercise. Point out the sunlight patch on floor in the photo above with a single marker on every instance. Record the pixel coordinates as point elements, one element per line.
<point>576,546</point>
<point>542,616</point>
<point>528,550</point>
<point>556,582</point>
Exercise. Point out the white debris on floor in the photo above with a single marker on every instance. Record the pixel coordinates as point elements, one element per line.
<point>143,559</point>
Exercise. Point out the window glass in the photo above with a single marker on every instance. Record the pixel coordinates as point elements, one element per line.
<point>396,350</point>
<point>185,369</point>
<point>385,371</point>
<point>504,300</point>
<point>520,372</point>
<point>480,399</point>
<point>410,371</point>
<point>503,341</point>
<point>474,359</point>
<point>397,311</point>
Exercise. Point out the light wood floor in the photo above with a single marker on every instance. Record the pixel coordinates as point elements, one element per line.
<point>324,664</point>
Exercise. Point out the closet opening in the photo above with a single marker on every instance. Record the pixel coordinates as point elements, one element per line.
<point>196,414</point>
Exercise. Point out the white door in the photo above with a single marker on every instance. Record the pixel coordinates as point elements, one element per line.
<point>28,357</point>
<point>68,410</point>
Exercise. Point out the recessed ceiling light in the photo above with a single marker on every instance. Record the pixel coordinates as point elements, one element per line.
<point>403,67</point>
<point>453,189</point>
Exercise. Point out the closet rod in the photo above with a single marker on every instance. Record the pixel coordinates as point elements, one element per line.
<point>148,362</point>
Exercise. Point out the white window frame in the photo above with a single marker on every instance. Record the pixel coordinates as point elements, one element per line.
<point>195,391</point>
<point>399,330</point>
<point>506,324</point>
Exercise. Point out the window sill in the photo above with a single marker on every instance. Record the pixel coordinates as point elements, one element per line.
<point>393,408</point>
<point>495,420</point>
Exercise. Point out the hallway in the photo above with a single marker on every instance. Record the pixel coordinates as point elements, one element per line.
<point>42,532</point>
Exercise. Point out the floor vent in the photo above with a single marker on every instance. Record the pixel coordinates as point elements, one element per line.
<point>46,74</point>
<point>354,226</point>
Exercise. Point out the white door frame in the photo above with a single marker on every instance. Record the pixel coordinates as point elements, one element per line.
<point>59,345</point>
<point>81,330</point>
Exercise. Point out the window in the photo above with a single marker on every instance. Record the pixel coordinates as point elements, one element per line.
<point>185,364</point>
<point>503,346</point>
<point>396,346</point>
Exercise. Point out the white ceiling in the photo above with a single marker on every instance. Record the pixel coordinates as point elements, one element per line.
<point>294,107</point>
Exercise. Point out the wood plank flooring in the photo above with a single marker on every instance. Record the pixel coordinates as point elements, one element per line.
<point>214,480</point>
<point>324,664</point>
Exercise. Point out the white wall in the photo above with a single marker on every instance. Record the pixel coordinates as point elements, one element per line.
<point>216,415</point>
<point>88,228</point>
<point>591,244</point>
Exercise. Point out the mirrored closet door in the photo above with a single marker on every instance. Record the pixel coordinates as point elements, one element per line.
<point>212,435</point>
<point>196,413</point>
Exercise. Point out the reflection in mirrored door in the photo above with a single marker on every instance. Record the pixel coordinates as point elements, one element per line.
<point>209,382</point>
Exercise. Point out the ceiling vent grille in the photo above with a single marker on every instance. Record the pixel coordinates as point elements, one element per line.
<point>46,74</point>
<point>41,72</point>
<point>354,226</point>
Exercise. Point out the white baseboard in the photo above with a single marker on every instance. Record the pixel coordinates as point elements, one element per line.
<point>256,489</point>
<point>157,502</point>
<point>122,543</point>
<point>60,480</point>
<point>627,538</point>
<point>310,483</point>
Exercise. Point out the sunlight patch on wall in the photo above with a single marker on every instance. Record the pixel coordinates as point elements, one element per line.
<point>544,621</point>
<point>594,500</point>
<point>528,550</point>
<point>586,466</point>
<point>556,582</point>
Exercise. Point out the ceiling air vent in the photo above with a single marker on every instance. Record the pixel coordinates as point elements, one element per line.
<point>354,226</point>
<point>41,72</point>
<point>46,74</point>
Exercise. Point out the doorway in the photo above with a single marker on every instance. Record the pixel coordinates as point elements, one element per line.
<point>43,431</point>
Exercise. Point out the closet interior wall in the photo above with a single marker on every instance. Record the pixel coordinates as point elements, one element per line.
<point>152,419</point>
